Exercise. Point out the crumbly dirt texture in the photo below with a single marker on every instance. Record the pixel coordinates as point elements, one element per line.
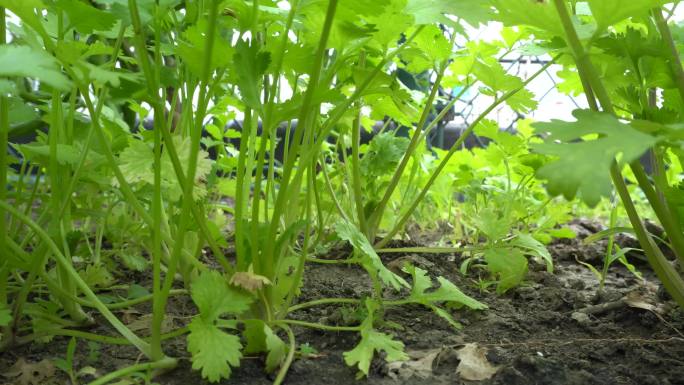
<point>556,329</point>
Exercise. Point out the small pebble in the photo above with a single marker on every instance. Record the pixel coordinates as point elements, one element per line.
<point>581,318</point>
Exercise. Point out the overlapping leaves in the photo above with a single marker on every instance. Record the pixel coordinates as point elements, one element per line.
<point>213,350</point>
<point>373,341</point>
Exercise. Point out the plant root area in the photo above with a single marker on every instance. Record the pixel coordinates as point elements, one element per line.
<point>555,329</point>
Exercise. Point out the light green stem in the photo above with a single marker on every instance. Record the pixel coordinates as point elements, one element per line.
<point>163,364</point>
<point>290,356</point>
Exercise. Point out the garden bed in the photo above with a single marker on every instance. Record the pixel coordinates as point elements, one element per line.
<point>555,329</point>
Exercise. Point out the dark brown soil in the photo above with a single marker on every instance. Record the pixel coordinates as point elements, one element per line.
<point>544,332</point>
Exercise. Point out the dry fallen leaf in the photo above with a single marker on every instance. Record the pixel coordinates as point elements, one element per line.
<point>419,366</point>
<point>474,365</point>
<point>249,281</point>
<point>636,300</point>
<point>28,373</point>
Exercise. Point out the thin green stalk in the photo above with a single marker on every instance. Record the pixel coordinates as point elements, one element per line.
<point>56,175</point>
<point>153,81</point>
<point>357,183</point>
<point>299,272</point>
<point>348,261</point>
<point>290,356</point>
<point>664,270</point>
<point>433,250</point>
<point>376,216</point>
<point>320,217</point>
<point>342,109</point>
<point>188,199</point>
<point>54,286</point>
<point>324,301</point>
<point>163,364</point>
<point>242,193</point>
<point>27,339</point>
<point>331,191</point>
<point>273,96</point>
<point>285,194</point>
<point>661,183</point>
<point>37,261</point>
<point>4,134</point>
<point>661,209</point>
<point>157,314</point>
<point>675,60</point>
<point>611,243</point>
<point>433,177</point>
<point>313,325</point>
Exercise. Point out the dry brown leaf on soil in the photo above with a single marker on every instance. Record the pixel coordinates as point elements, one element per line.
<point>638,301</point>
<point>419,365</point>
<point>29,373</point>
<point>397,265</point>
<point>474,365</point>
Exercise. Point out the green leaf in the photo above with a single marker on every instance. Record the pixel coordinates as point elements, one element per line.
<point>26,11</point>
<point>214,297</point>
<point>100,76</point>
<point>213,351</point>
<point>261,338</point>
<point>610,12</point>
<point>493,75</point>
<point>250,66</point>
<point>371,261</point>
<point>522,101</point>
<point>192,49</point>
<point>276,350</point>
<point>66,154</point>
<point>24,61</point>
<point>383,154</point>
<point>388,34</point>
<point>136,162</point>
<point>493,225</point>
<point>97,276</point>
<point>373,341</point>
<point>584,165</point>
<point>535,13</point>
<point>435,11</point>
<point>435,45</point>
<point>85,18</point>
<point>446,292</point>
<point>509,265</point>
<point>255,336</point>
<point>531,246</point>
<point>184,150</point>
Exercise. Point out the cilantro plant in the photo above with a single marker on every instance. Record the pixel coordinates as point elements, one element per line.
<point>154,150</point>
<point>625,57</point>
<point>99,189</point>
